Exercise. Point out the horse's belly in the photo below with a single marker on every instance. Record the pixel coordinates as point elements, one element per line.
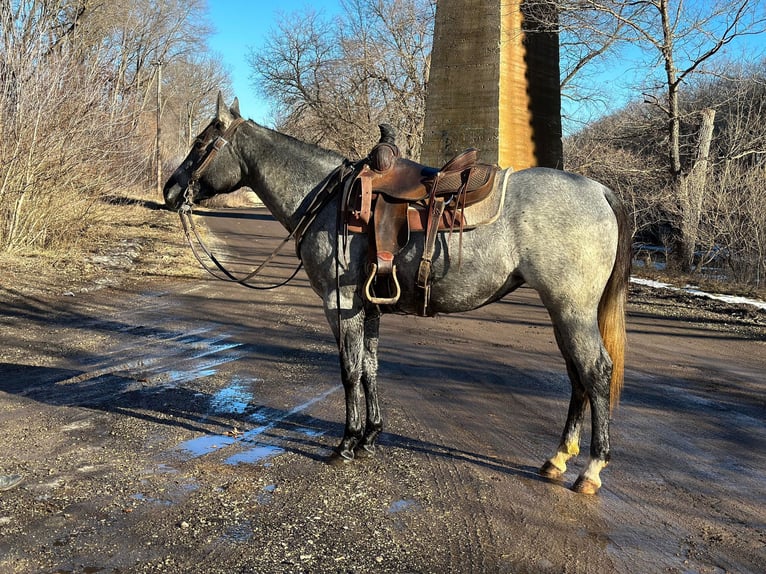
<point>461,286</point>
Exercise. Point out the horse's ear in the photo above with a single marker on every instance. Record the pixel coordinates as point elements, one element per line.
<point>235,107</point>
<point>222,112</point>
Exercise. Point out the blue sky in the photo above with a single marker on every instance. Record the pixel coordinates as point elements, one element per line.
<point>242,25</point>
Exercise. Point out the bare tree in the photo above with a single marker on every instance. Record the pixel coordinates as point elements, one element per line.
<point>682,39</point>
<point>77,108</point>
<point>733,215</point>
<point>333,80</point>
<point>626,151</point>
<point>60,141</point>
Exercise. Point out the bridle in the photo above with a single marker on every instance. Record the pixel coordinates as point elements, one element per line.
<point>213,148</point>
<point>185,214</point>
<point>322,196</point>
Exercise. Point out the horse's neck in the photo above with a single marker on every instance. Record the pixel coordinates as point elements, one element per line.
<point>283,171</point>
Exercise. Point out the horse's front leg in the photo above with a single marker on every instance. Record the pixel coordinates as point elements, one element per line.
<point>351,339</point>
<point>374,423</point>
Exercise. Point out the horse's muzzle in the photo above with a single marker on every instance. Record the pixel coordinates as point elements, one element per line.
<point>174,195</point>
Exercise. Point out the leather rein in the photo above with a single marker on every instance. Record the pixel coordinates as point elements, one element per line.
<point>327,190</point>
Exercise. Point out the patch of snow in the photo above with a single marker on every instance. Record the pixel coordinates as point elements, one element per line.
<point>737,300</point>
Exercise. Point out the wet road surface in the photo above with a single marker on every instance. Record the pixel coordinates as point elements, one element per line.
<point>183,427</point>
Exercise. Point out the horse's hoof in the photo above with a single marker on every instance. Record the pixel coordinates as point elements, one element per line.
<point>585,486</point>
<point>550,471</point>
<point>365,451</point>
<point>339,458</point>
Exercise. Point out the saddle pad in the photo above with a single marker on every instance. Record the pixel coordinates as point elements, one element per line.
<point>481,213</point>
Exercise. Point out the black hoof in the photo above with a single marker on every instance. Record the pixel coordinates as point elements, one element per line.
<point>365,451</point>
<point>339,458</point>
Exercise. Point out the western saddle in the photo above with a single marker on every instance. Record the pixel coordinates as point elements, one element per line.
<point>391,196</point>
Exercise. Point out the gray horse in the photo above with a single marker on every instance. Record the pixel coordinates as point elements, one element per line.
<point>564,235</point>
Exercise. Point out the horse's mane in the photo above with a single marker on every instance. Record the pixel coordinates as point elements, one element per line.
<point>297,144</point>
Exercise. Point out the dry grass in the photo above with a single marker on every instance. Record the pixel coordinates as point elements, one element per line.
<point>132,237</point>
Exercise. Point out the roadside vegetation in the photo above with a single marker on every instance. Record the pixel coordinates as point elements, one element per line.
<point>100,100</point>
<point>78,113</point>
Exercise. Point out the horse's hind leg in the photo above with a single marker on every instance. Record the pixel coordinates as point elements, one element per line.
<point>569,446</point>
<point>590,370</point>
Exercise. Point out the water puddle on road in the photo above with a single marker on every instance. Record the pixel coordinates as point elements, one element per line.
<point>239,532</point>
<point>311,433</point>
<point>233,399</point>
<point>206,444</point>
<point>264,415</point>
<point>254,455</point>
<point>160,501</point>
<point>399,511</point>
<point>402,505</point>
<point>237,399</point>
<point>267,494</point>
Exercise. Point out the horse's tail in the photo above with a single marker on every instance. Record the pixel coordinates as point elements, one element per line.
<point>611,308</point>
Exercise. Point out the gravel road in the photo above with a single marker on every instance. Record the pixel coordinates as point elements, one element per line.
<point>183,426</point>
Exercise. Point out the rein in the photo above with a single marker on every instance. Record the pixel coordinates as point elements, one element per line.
<point>322,197</point>
<point>185,213</point>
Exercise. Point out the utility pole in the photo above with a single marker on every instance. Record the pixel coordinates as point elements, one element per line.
<point>157,164</point>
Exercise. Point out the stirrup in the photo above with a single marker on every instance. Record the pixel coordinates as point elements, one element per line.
<point>382,300</point>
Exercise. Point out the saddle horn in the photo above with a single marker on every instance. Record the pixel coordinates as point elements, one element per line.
<point>385,153</point>
<point>387,134</point>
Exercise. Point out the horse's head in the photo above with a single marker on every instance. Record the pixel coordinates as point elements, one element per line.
<point>212,166</point>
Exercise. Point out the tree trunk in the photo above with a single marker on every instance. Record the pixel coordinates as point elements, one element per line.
<point>691,193</point>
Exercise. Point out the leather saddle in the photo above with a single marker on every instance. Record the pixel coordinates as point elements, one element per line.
<point>391,197</point>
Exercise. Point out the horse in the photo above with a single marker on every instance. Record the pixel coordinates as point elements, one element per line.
<point>566,236</point>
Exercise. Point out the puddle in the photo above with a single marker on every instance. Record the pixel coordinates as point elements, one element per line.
<point>143,498</point>
<point>257,431</point>
<point>402,505</point>
<point>267,494</point>
<point>77,425</point>
<point>233,399</point>
<point>205,357</point>
<point>398,510</point>
<point>206,444</point>
<point>253,455</point>
<point>240,532</point>
<point>161,468</point>
<point>313,433</point>
<point>264,414</point>
<point>175,377</point>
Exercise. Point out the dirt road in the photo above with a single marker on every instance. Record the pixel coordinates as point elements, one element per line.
<point>182,427</point>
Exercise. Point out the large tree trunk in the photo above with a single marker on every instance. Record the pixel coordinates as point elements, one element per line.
<point>691,193</point>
